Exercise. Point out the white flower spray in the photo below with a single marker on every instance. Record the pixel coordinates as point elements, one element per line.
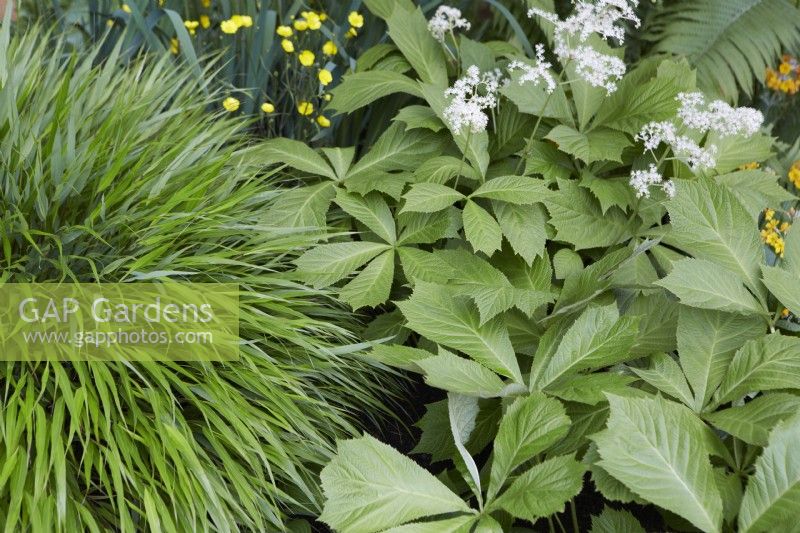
<point>446,20</point>
<point>695,118</point>
<point>538,72</point>
<point>592,18</point>
<point>469,97</point>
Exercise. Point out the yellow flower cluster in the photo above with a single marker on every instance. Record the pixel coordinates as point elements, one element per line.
<point>786,78</point>
<point>750,166</point>
<point>773,231</point>
<point>794,174</point>
<point>230,104</point>
<point>233,24</point>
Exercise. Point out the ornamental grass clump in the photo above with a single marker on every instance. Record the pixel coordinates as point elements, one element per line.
<point>116,174</point>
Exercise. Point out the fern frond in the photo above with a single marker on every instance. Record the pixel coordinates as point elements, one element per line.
<point>731,42</point>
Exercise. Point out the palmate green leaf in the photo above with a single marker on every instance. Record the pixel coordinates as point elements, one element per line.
<point>518,190</point>
<point>529,426</point>
<point>707,341</point>
<point>481,229</point>
<point>580,221</point>
<point>755,189</point>
<point>429,198</point>
<point>769,363</point>
<point>457,524</point>
<point>419,116</point>
<point>657,326</point>
<point>753,421</point>
<point>546,160</point>
<point>421,265</point>
<point>433,312</point>
<point>452,373</point>
<point>524,227</point>
<point>734,151</point>
<point>590,389</point>
<point>598,338</point>
<point>399,356</point>
<point>395,150</point>
<point>289,152</point>
<point>370,486</point>
<point>462,413</point>
<point>443,168</point>
<point>372,285</point>
<point>409,32</point>
<point>730,42</point>
<point>614,521</point>
<point>328,263</point>
<point>341,159</point>
<point>543,489</point>
<point>772,498</point>
<point>363,88</point>
<point>595,145</point>
<point>610,487</point>
<point>703,284</point>
<point>304,207</point>
<point>609,192</point>
<point>371,210</point>
<point>658,450</point>
<point>784,285</point>
<point>423,228</point>
<point>666,375</point>
<point>534,99</point>
<point>710,223</point>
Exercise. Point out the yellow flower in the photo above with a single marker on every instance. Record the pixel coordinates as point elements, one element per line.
<point>323,17</point>
<point>794,175</point>
<point>206,3</point>
<point>284,31</point>
<point>325,76</point>
<point>110,23</point>
<point>313,21</point>
<point>323,121</point>
<point>191,25</point>
<point>126,8</point>
<point>306,58</point>
<point>287,45</point>
<point>785,312</point>
<point>267,107</point>
<point>242,21</point>
<point>205,22</point>
<point>329,48</point>
<point>305,108</point>
<point>326,97</point>
<point>749,166</point>
<point>174,46</point>
<point>785,68</point>
<point>300,25</point>
<point>351,33</point>
<point>355,19</point>
<point>230,104</point>
<point>228,26</point>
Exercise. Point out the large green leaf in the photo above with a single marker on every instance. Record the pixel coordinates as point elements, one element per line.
<point>710,223</point>
<point>613,521</point>
<point>328,263</point>
<point>771,362</point>
<point>429,198</point>
<point>481,229</point>
<point>755,189</point>
<point>370,486</point>
<point>595,145</point>
<point>524,226</point>
<point>771,500</point>
<point>409,31</point>
<point>707,341</point>
<point>372,285</point>
<point>529,427</point>
<point>658,450</point>
<point>289,152</point>
<point>304,207</point>
<point>433,312</point>
<point>579,220</point>
<point>666,375</point>
<point>519,190</point>
<point>363,88</point>
<point>456,374</point>
<point>701,283</point>
<point>543,490</point>
<point>598,338</point>
<point>371,210</point>
<point>753,421</point>
<point>784,285</point>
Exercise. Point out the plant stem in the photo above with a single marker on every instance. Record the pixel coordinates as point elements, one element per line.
<point>463,157</point>
<point>573,511</point>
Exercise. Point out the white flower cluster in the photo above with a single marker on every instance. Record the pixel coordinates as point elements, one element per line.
<point>590,18</point>
<point>718,116</point>
<point>538,72</point>
<point>445,20</point>
<point>701,117</point>
<point>642,180</point>
<point>469,96</point>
